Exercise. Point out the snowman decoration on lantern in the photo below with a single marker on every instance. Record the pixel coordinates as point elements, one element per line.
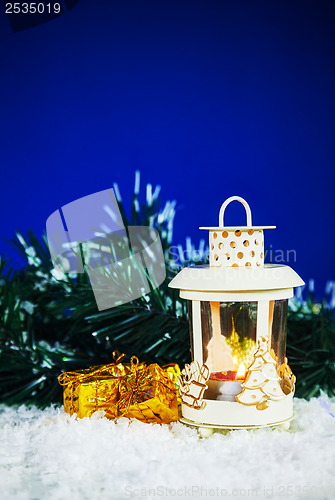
<point>239,376</point>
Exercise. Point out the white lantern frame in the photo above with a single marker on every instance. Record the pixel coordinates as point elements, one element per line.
<point>227,282</point>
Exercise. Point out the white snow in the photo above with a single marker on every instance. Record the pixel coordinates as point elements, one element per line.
<point>50,455</point>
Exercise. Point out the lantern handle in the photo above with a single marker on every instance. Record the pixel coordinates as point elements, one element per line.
<point>226,203</point>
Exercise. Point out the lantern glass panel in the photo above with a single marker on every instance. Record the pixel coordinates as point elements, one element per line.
<point>229,342</point>
<point>190,322</point>
<point>278,316</point>
<point>228,337</point>
<point>228,345</point>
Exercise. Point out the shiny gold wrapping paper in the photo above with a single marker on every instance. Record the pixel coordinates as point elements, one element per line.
<point>174,372</point>
<point>134,390</point>
<point>148,394</point>
<point>93,396</point>
<point>92,389</point>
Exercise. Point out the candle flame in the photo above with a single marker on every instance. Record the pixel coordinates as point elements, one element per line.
<point>241,371</point>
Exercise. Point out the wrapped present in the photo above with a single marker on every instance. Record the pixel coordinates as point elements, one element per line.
<point>173,370</point>
<point>148,394</point>
<point>135,390</point>
<point>98,395</point>
<point>97,388</point>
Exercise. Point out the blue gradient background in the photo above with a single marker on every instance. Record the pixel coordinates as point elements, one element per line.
<point>207,98</point>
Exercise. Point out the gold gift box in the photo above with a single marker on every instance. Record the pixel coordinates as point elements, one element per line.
<point>87,391</point>
<point>89,397</point>
<point>148,394</point>
<point>134,390</point>
<point>174,372</point>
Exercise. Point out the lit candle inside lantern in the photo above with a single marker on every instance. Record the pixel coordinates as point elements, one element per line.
<point>224,385</point>
<point>230,375</point>
<point>241,372</point>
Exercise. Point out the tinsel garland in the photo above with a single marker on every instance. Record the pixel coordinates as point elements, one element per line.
<point>50,323</point>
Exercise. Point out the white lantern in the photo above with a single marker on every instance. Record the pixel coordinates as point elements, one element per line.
<point>239,376</point>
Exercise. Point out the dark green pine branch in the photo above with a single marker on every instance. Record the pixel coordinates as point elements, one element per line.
<point>311,349</point>
<point>50,322</point>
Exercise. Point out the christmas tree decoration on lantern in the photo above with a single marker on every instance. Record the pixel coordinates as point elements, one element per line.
<point>261,383</point>
<point>237,310</point>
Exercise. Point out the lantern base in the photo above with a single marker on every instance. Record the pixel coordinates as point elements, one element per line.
<point>285,425</point>
<point>234,415</point>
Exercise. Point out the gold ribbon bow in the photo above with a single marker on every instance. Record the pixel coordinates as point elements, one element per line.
<point>140,386</point>
<point>79,376</point>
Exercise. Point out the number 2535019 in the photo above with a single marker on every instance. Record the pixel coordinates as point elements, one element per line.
<point>32,8</point>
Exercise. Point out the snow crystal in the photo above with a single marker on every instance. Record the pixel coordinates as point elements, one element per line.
<point>50,455</point>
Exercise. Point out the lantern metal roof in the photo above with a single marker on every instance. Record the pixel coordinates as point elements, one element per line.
<point>206,278</point>
<point>236,261</point>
